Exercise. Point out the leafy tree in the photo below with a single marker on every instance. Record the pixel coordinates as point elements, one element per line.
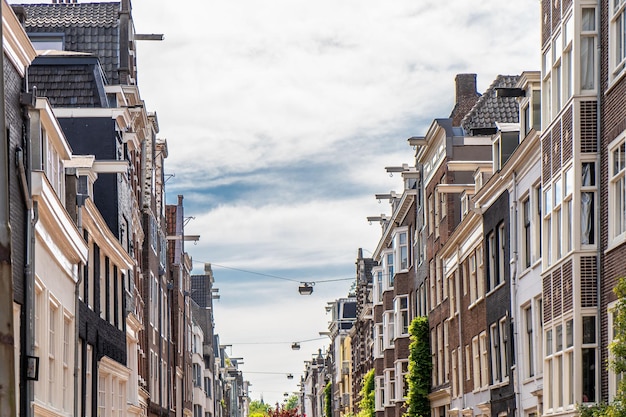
<point>617,360</point>
<point>258,409</point>
<point>367,403</point>
<point>292,402</point>
<point>420,368</point>
<point>328,400</point>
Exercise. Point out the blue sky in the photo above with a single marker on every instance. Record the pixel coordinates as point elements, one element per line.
<point>280,117</point>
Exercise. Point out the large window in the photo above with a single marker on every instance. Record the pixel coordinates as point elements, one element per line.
<point>589,359</point>
<point>496,256</point>
<point>617,37</point>
<point>529,340</point>
<point>401,247</point>
<point>617,190</point>
<point>526,233</point>
<point>401,310</point>
<point>588,197</point>
<point>588,49</point>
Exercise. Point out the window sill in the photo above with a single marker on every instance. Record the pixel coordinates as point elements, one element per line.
<point>475,303</point>
<point>615,243</point>
<point>499,384</point>
<point>496,288</point>
<point>615,79</point>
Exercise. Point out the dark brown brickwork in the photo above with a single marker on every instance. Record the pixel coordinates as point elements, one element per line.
<point>546,21</point>
<point>466,97</point>
<point>568,135</point>
<point>546,161</point>
<point>556,148</point>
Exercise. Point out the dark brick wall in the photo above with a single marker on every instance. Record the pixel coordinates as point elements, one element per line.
<point>613,123</point>
<point>498,301</point>
<point>17,209</point>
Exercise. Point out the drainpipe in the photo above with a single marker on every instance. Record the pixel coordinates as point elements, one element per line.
<point>80,202</point>
<point>514,300</point>
<point>29,296</point>
<point>7,341</point>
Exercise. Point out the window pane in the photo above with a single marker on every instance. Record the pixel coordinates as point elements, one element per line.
<point>589,329</point>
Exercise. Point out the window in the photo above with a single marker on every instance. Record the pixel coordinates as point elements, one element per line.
<point>401,245</point>
<point>379,347</point>
<point>529,341</point>
<point>52,328</point>
<point>47,41</point>
<point>617,37</point>
<point>617,190</point>
<point>526,236</point>
<point>207,387</point>
<point>587,209</point>
<point>389,269</point>
<point>476,365</point>
<point>568,210</point>
<point>440,348</point>
<point>67,403</point>
<point>431,214</point>
<point>378,289</point>
<point>496,253</point>
<point>499,351</point>
<point>401,309</point>
<point>389,331</point>
<point>452,292</point>
<point>589,359</point>
<point>587,49</point>
<point>546,89</point>
<point>484,363</point>
<point>402,369</point>
<point>380,393</point>
<point>102,397</point>
<point>390,386</point>
<point>455,374</point>
<point>614,379</point>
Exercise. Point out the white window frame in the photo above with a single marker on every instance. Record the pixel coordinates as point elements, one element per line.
<point>402,247</point>
<point>617,190</point>
<point>617,39</point>
<point>380,393</point>
<point>592,34</point>
<point>401,315</point>
<point>614,379</point>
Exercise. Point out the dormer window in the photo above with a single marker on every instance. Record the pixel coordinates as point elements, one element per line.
<point>47,41</point>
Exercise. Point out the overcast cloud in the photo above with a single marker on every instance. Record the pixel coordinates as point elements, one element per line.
<point>280,117</point>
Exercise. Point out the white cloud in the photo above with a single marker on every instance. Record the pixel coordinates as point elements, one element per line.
<point>280,117</point>
<point>270,106</point>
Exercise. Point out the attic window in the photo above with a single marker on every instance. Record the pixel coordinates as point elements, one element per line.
<point>47,41</point>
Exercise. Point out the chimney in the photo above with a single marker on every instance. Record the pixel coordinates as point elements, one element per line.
<point>466,97</point>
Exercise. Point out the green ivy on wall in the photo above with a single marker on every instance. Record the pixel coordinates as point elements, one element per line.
<point>420,368</point>
<point>367,404</point>
<point>328,400</point>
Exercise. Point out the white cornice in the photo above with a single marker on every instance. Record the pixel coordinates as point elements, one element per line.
<point>56,219</point>
<point>16,44</point>
<point>53,128</point>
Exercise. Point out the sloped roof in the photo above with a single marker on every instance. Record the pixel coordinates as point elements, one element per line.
<point>490,109</point>
<point>72,15</point>
<point>87,27</point>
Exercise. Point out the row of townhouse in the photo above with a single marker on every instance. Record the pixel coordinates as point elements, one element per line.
<point>509,235</point>
<point>107,319</point>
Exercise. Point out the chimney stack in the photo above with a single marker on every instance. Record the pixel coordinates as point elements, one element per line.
<point>466,97</point>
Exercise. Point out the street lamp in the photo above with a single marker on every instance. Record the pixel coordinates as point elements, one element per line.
<point>306,288</point>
